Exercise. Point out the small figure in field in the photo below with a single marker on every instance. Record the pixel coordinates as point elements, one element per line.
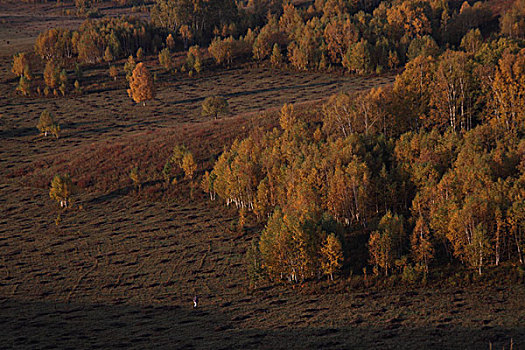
<point>195,301</point>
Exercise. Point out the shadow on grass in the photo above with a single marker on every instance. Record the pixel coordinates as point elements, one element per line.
<point>46,325</point>
<point>258,91</point>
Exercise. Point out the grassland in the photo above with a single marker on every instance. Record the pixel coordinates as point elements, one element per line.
<point>120,269</point>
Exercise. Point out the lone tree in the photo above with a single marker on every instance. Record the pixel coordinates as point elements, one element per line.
<point>61,189</point>
<point>215,105</point>
<point>47,124</point>
<point>141,86</point>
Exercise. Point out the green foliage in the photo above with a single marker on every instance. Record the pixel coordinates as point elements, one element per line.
<point>357,59</point>
<point>165,59</point>
<point>129,66</point>
<point>47,124</point>
<point>214,106</point>
<point>62,188</point>
<point>425,46</point>
<point>386,244</point>
<point>180,159</point>
<point>24,86</point>
<point>194,59</point>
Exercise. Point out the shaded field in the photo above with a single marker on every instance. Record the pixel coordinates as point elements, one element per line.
<point>119,270</point>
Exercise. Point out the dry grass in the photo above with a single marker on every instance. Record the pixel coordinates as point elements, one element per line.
<point>121,268</point>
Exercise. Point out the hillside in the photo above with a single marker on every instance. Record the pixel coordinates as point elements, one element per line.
<point>119,268</point>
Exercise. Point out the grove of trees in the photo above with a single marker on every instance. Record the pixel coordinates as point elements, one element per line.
<point>430,171</point>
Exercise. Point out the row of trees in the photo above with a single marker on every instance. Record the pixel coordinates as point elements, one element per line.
<point>362,38</point>
<point>97,40</point>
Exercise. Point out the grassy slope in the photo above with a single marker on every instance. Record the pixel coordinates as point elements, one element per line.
<point>120,269</point>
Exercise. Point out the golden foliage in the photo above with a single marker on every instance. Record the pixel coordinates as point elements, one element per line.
<point>141,87</point>
<point>331,255</point>
<point>61,189</point>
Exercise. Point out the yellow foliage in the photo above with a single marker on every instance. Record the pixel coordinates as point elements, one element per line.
<point>141,86</point>
<point>332,255</point>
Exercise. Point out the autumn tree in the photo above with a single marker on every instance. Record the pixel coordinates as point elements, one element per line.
<point>347,192</point>
<point>186,35</point>
<point>194,59</point>
<point>269,35</point>
<point>52,74</point>
<point>134,175</point>
<point>508,92</point>
<point>306,51</point>
<point>290,247</point>
<point>21,65</point>
<point>408,20</point>
<point>113,72</point>
<point>170,42</point>
<point>277,57</point>
<point>108,55</point>
<point>454,90</point>
<point>331,255</point>
<point>165,59</point>
<point>188,165</point>
<point>472,41</point>
<point>512,22</point>
<point>129,66</point>
<point>180,159</point>
<point>47,124</point>
<point>386,244</point>
<point>24,86</point>
<point>55,43</point>
<point>198,18</point>
<point>412,91</point>
<point>140,54</point>
<point>141,87</point>
<point>421,244</point>
<point>357,58</point>
<point>62,188</point>
<point>62,79</point>
<point>214,106</point>
<point>425,46</point>
<point>223,50</point>
<point>340,35</point>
